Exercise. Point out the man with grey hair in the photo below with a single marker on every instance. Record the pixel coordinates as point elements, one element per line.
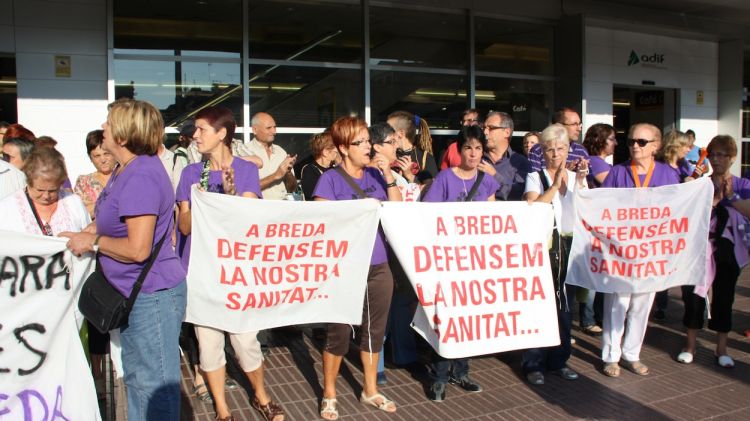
<point>16,150</point>
<point>276,177</point>
<point>509,168</point>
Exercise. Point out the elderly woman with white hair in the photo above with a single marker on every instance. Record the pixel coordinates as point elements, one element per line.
<point>557,185</point>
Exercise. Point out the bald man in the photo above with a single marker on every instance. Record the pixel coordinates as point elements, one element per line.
<point>276,177</point>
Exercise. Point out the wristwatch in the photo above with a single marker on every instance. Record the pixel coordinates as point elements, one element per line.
<point>735,197</point>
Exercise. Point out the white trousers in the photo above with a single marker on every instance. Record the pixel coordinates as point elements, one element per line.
<point>619,340</point>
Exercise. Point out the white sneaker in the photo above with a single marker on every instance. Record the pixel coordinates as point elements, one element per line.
<point>685,357</point>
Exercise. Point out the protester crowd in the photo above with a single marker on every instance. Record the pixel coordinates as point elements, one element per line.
<point>134,213</point>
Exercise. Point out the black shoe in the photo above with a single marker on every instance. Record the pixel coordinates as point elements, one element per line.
<point>659,315</point>
<point>436,392</point>
<point>265,350</point>
<point>535,377</point>
<point>566,373</point>
<point>382,379</point>
<point>466,384</point>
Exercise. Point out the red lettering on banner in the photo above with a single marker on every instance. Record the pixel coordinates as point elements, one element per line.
<point>618,267</point>
<point>295,230</point>
<point>484,224</point>
<point>265,299</point>
<point>480,326</point>
<point>477,292</point>
<point>627,214</point>
<point>482,257</point>
<point>606,216</point>
<point>639,232</point>
<point>252,231</point>
<point>282,252</point>
<point>440,227</point>
<point>596,245</point>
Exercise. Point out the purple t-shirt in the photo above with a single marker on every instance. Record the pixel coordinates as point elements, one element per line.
<point>448,187</point>
<point>621,176</point>
<point>597,165</point>
<point>143,188</point>
<point>245,180</point>
<point>332,186</point>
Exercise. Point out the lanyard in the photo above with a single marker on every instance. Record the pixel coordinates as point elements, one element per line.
<point>45,228</point>
<point>637,180</point>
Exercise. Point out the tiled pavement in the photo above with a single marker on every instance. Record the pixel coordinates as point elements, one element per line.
<point>698,391</point>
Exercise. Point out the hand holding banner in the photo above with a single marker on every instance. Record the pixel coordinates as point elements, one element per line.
<point>641,240</point>
<point>481,273</point>
<point>259,264</point>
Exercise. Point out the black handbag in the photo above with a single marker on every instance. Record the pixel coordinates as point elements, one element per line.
<point>104,306</point>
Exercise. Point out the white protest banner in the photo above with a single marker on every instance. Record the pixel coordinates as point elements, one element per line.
<point>43,369</point>
<point>259,264</point>
<point>481,272</point>
<point>641,240</point>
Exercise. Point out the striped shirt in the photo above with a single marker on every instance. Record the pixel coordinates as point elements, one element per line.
<point>11,179</point>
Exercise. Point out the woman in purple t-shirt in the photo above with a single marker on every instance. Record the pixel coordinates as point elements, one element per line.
<point>220,172</point>
<point>133,213</point>
<point>617,340</point>
<point>600,142</point>
<point>457,184</point>
<point>352,139</point>
<point>731,208</point>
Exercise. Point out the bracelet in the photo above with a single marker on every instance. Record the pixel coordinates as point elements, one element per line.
<point>735,197</point>
<point>95,244</point>
<point>389,185</point>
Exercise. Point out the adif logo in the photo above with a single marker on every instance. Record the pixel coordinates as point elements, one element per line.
<point>633,58</point>
<point>653,60</point>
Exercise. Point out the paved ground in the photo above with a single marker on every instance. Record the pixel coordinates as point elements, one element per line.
<point>698,391</point>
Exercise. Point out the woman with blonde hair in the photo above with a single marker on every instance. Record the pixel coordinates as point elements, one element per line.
<point>675,147</point>
<point>134,215</point>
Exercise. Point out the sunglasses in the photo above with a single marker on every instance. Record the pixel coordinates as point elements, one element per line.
<point>6,157</point>
<point>641,142</point>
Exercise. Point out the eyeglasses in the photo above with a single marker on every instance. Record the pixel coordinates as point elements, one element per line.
<point>468,121</point>
<point>6,157</point>
<point>491,127</point>
<point>359,143</point>
<point>577,123</point>
<point>641,142</point>
<point>717,155</point>
<point>390,142</point>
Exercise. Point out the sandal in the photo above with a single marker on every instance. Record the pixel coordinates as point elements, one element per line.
<point>636,367</point>
<point>328,409</point>
<point>205,395</point>
<point>384,404</point>
<point>611,370</point>
<point>269,411</point>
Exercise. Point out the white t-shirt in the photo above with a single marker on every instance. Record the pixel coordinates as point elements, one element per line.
<point>11,179</point>
<point>173,166</point>
<point>277,191</point>
<point>563,205</point>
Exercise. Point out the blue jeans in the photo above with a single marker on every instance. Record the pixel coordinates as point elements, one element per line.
<point>151,354</point>
<point>554,357</point>
<point>443,368</point>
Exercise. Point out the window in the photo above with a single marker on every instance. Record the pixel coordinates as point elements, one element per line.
<point>8,91</point>
<point>513,47</point>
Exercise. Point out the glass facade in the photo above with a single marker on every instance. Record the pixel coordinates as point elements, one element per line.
<point>8,90</point>
<point>305,63</point>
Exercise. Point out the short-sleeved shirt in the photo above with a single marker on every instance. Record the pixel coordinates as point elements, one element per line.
<point>536,155</point>
<point>172,165</point>
<point>11,179</point>
<point>451,157</point>
<point>276,191</point>
<point>597,165</point>
<point>511,171</point>
<point>142,188</point>
<point>448,187</point>
<point>245,180</point>
<point>332,186</point>
<point>562,205</point>
<point>621,176</point>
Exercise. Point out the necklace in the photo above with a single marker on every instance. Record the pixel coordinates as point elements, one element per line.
<point>121,168</point>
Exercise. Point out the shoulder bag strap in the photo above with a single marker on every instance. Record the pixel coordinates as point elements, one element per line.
<point>144,272</point>
<point>543,178</point>
<point>348,178</point>
<point>475,186</point>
